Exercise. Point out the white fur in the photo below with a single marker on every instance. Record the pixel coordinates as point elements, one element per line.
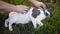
<point>24,18</point>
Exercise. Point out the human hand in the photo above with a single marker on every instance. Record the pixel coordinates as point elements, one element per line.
<point>11,8</point>
<point>38,4</point>
<point>21,8</point>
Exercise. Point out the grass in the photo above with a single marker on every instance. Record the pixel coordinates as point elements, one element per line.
<point>51,26</point>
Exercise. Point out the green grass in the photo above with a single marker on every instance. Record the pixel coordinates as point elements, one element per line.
<point>51,25</point>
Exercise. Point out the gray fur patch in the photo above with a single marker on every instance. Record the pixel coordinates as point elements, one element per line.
<point>35,12</point>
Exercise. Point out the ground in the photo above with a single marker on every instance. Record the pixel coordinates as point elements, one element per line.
<point>51,25</point>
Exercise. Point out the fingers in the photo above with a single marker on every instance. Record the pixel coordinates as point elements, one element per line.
<point>22,8</point>
<point>27,9</point>
<point>42,5</point>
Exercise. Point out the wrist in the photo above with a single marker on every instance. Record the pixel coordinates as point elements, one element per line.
<point>10,8</point>
<point>32,1</point>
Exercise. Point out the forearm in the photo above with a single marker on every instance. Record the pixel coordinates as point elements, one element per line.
<point>6,6</point>
<point>33,1</point>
